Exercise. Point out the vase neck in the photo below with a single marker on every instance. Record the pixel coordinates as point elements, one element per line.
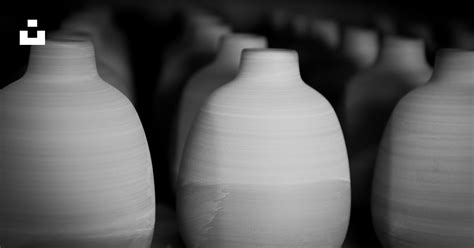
<point>60,59</point>
<point>454,66</point>
<point>402,52</point>
<point>205,38</point>
<point>269,66</point>
<point>231,46</point>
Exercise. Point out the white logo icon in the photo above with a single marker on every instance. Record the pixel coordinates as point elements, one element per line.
<point>40,38</point>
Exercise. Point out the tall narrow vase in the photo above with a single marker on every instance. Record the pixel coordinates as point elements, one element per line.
<point>265,164</point>
<point>75,169</point>
<point>423,186</point>
<point>204,82</point>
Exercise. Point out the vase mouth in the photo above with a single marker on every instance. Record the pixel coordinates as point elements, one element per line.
<point>454,65</point>
<point>231,46</point>
<point>274,65</point>
<point>454,51</point>
<point>65,46</point>
<point>404,52</point>
<point>270,55</point>
<point>359,32</point>
<point>270,51</point>
<point>69,35</point>
<point>355,38</point>
<point>206,37</point>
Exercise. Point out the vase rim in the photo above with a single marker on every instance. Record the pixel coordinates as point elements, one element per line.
<point>69,35</point>
<point>402,39</point>
<point>270,50</point>
<point>79,40</point>
<point>452,50</point>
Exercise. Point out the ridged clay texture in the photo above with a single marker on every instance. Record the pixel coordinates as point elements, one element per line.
<point>75,166</point>
<point>265,164</point>
<point>423,186</point>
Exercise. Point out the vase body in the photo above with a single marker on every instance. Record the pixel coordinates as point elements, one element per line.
<point>204,82</point>
<point>265,164</point>
<point>423,182</point>
<point>75,165</point>
<point>112,57</point>
<point>370,98</point>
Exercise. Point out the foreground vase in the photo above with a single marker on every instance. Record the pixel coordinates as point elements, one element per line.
<point>204,82</point>
<point>423,183</point>
<point>369,100</point>
<point>265,164</point>
<point>75,166</point>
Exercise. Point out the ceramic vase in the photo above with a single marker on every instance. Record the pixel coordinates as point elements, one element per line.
<point>265,164</point>
<point>360,46</point>
<point>112,57</point>
<point>75,165</point>
<point>369,100</point>
<point>423,183</point>
<point>222,70</point>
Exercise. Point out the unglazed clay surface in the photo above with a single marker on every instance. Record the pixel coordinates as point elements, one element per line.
<point>204,82</point>
<point>265,164</point>
<point>423,183</point>
<point>75,166</point>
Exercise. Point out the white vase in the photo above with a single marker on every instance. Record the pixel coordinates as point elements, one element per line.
<point>75,165</point>
<point>423,186</point>
<point>265,164</point>
<point>201,85</point>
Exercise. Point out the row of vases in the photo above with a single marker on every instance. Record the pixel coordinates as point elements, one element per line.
<point>224,166</point>
<point>263,158</point>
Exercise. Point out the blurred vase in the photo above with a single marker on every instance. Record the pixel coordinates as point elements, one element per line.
<point>265,164</point>
<point>75,165</point>
<point>327,31</point>
<point>112,56</point>
<point>199,47</point>
<point>385,23</point>
<point>369,100</point>
<point>222,70</point>
<point>423,183</point>
<point>360,46</point>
